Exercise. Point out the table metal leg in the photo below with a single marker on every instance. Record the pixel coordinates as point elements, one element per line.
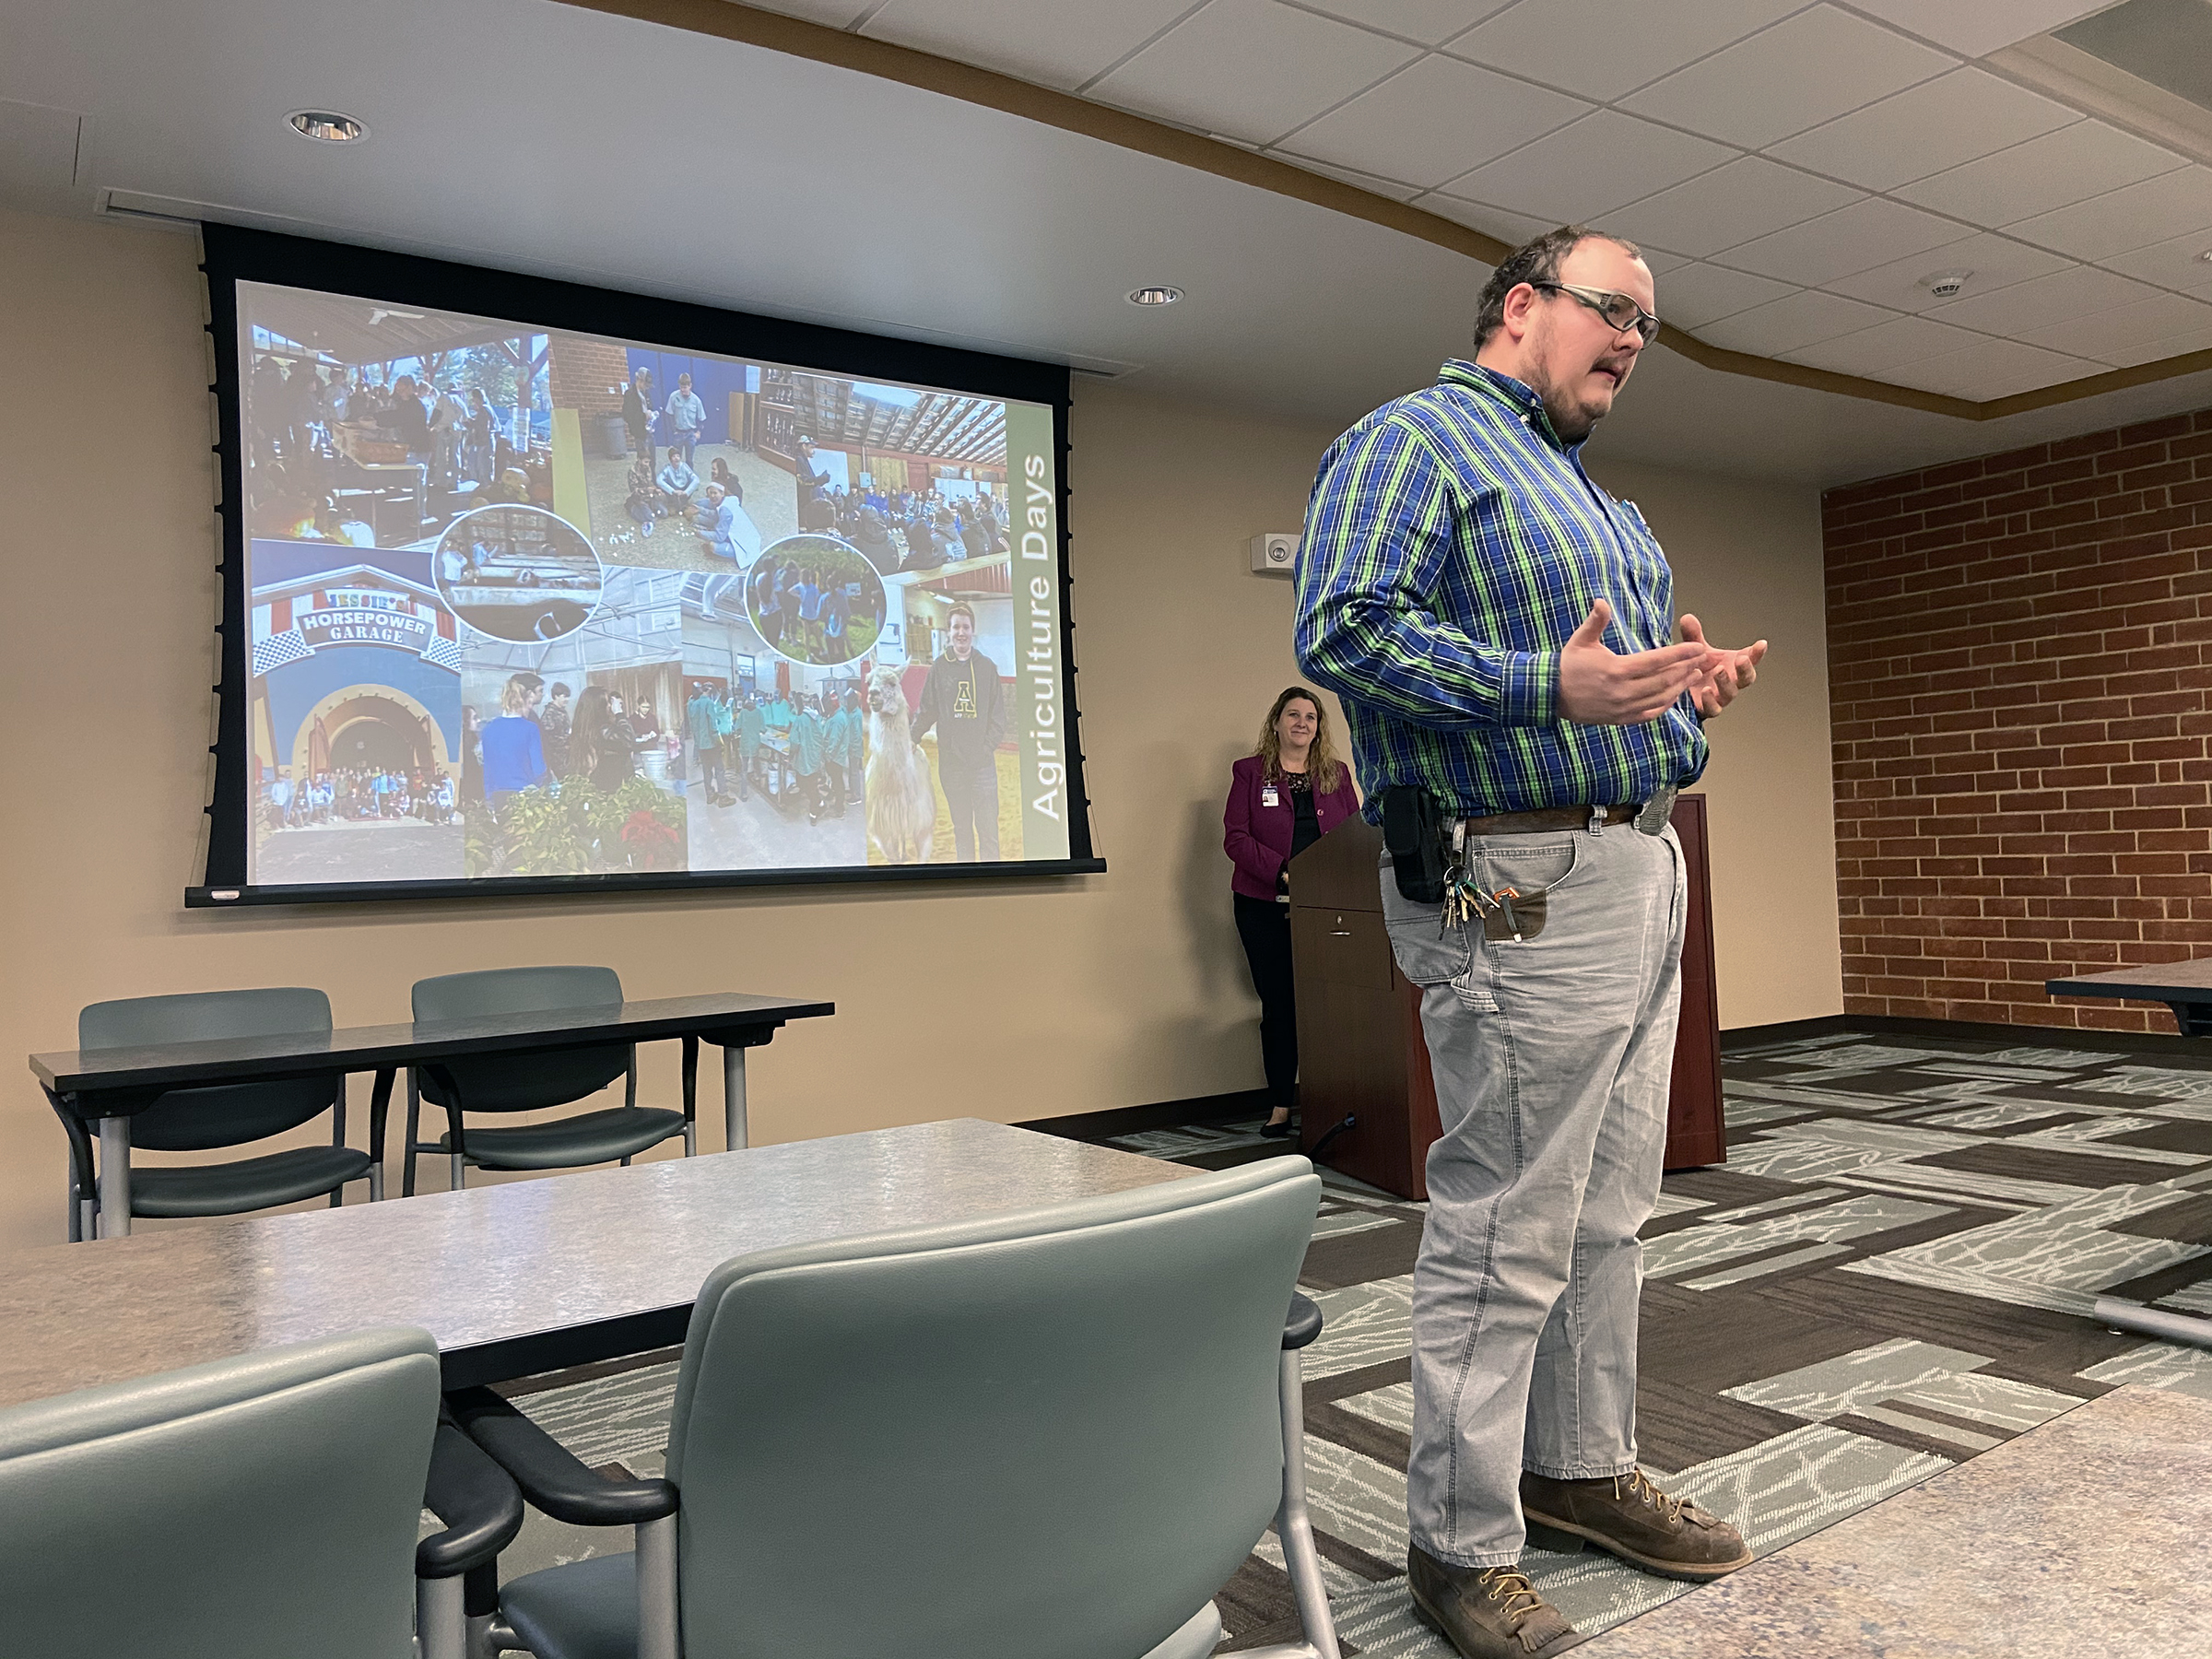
<point>2124,1315</point>
<point>732,1094</point>
<point>115,1178</point>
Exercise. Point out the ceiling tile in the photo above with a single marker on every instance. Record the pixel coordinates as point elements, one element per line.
<point>2131,217</point>
<point>1805,318</point>
<point>1696,294</point>
<point>1875,351</point>
<point>1729,206</point>
<point>1588,169</point>
<point>1996,262</point>
<point>2051,172</point>
<point>2058,298</point>
<point>2182,261</point>
<point>1953,118</point>
<point>1841,243</point>
<point>2108,335</point>
<point>1813,67</point>
<point>1053,43</point>
<point>1428,21</point>
<point>1434,122</point>
<point>1992,369</point>
<point>1977,28</point>
<point>2196,339</point>
<point>1251,67</point>
<point>1551,40</point>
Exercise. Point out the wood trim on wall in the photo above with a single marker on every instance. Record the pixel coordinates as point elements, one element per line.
<point>727,20</point>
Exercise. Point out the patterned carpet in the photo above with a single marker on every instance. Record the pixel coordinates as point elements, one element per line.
<point>1892,1273</point>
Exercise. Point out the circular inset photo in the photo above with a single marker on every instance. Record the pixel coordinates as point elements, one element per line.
<point>518,572</point>
<point>815,599</point>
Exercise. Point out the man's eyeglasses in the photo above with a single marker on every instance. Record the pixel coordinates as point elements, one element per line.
<point>1620,310</point>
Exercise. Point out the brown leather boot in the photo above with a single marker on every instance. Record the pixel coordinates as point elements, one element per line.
<point>1486,1612</point>
<point>1630,1517</point>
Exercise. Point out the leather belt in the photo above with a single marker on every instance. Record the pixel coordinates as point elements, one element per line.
<point>1544,819</point>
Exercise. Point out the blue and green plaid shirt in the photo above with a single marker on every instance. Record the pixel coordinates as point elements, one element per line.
<point>1452,546</point>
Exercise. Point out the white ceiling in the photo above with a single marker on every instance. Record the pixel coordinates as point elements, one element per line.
<point>1808,144</point>
<point>544,137</point>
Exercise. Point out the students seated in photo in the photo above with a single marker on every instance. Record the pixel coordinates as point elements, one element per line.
<point>679,483</point>
<point>715,519</point>
<point>642,500</point>
<point>718,472</point>
<point>872,537</point>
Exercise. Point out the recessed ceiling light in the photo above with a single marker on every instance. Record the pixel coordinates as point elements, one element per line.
<point>1155,296</point>
<point>328,126</point>
<point>2206,256</point>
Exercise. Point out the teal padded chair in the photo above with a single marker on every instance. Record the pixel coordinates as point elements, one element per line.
<point>1051,1435</point>
<point>198,1120</point>
<point>253,1508</point>
<point>532,1082</point>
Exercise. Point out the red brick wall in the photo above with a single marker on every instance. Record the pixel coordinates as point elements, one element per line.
<point>582,370</point>
<point>2018,668</point>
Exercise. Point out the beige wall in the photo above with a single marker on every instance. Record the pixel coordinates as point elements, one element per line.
<point>1009,1001</point>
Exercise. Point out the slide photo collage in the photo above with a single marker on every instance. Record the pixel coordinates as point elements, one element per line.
<point>529,604</point>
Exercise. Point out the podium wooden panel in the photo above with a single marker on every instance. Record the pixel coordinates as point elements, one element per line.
<point>1362,1055</point>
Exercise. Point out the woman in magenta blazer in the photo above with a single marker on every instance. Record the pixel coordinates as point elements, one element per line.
<point>1283,797</point>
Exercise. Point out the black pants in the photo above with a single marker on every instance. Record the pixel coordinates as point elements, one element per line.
<point>971,792</point>
<point>1264,926</point>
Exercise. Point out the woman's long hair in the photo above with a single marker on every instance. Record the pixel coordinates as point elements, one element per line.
<point>592,734</point>
<point>1322,764</point>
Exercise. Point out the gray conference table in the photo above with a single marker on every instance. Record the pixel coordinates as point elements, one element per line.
<point>103,1087</point>
<point>2186,988</point>
<point>518,1278</point>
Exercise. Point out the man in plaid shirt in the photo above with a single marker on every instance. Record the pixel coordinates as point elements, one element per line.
<point>1499,629</point>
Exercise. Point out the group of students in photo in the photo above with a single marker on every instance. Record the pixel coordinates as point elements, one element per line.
<point>802,610</point>
<point>709,506</point>
<point>745,742</point>
<point>455,431</point>
<point>355,795</point>
<point>538,737</point>
<point>932,529</point>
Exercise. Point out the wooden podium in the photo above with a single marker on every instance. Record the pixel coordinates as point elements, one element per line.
<point>1360,1050</point>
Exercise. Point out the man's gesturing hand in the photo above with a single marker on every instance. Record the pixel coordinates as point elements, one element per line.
<point>1729,671</point>
<point>1600,687</point>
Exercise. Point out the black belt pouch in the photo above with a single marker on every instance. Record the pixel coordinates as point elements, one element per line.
<point>1413,831</point>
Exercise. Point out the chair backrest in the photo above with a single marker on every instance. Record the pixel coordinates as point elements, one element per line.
<point>255,1507</point>
<point>522,1082</point>
<point>1052,1435</point>
<point>192,1120</point>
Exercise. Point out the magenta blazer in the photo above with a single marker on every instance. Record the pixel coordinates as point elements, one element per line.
<point>1257,836</point>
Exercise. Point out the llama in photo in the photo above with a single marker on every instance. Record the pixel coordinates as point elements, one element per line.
<point>902,808</point>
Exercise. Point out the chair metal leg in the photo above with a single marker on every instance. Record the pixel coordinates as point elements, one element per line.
<point>657,1636</point>
<point>376,1183</point>
<point>690,1097</point>
<point>460,1180</point>
<point>441,1628</point>
<point>115,1178</point>
<point>79,1211</point>
<point>733,1095</point>
<point>1293,1526</point>
<point>406,1158</point>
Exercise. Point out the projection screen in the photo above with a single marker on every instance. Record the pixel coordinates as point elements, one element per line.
<point>534,587</point>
